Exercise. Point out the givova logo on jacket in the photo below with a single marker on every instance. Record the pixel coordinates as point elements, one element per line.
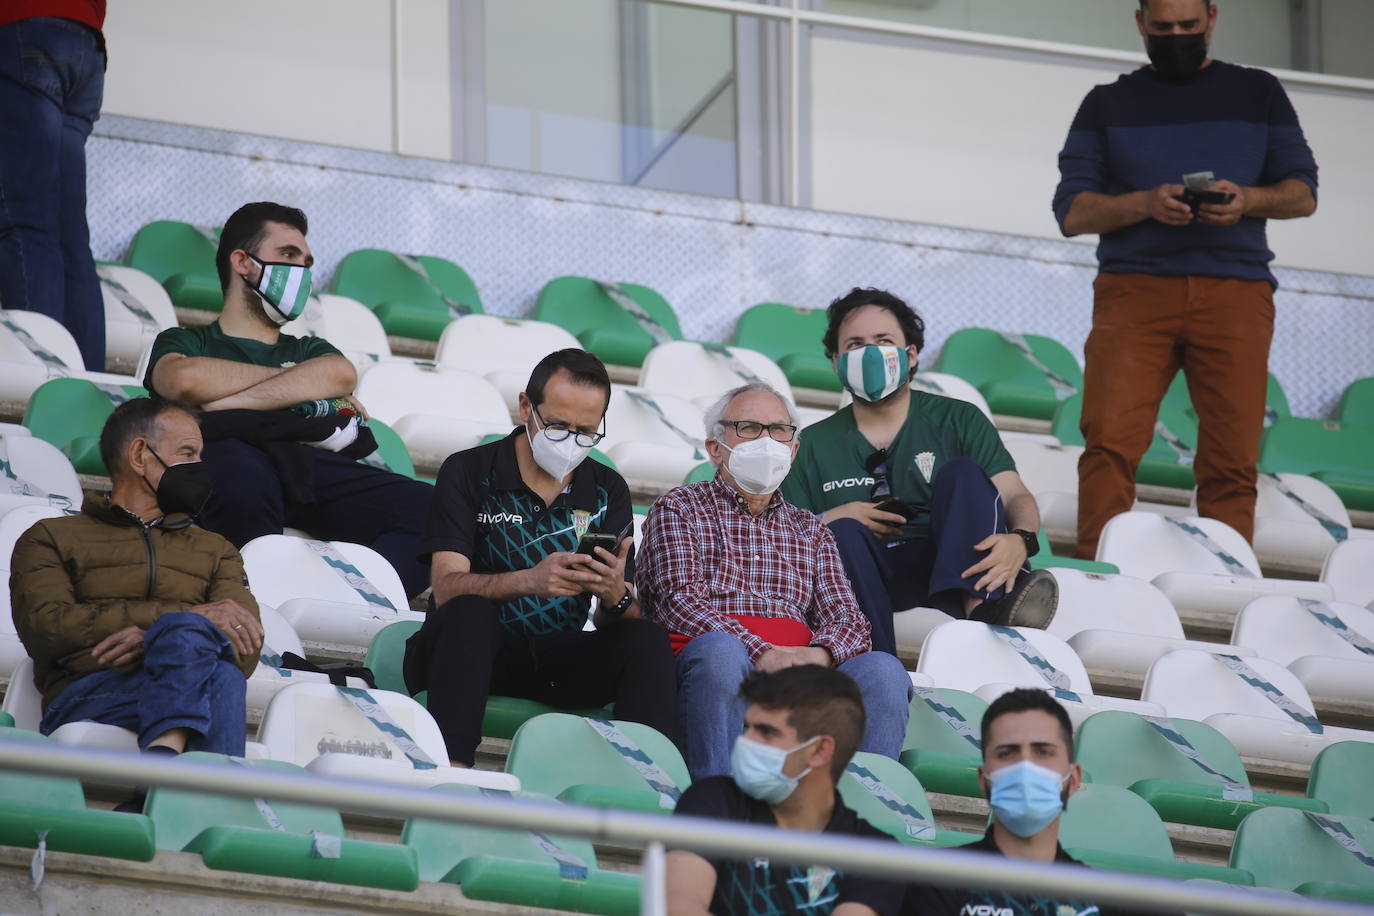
<point>1062,909</point>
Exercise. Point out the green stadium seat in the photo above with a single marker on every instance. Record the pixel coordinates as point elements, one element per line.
<point>1110,827</point>
<point>503,715</point>
<point>6,720</point>
<point>1285,849</point>
<point>181,257</point>
<point>1339,779</point>
<point>31,803</point>
<point>584,308</point>
<point>1046,559</point>
<point>1121,749</point>
<point>416,303</point>
<point>1161,463</point>
<point>563,756</point>
<point>1336,454</point>
<point>702,472</point>
<point>280,838</point>
<point>791,337</point>
<point>71,412</point>
<point>867,775</point>
<point>595,453</point>
<point>1011,383</point>
<point>517,867</point>
<point>391,454</point>
<point>1357,404</point>
<point>941,758</point>
<point>1275,399</point>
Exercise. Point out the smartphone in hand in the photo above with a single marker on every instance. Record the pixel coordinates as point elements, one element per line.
<point>897,507</point>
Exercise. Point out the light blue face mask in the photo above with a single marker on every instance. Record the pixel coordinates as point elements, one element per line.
<point>873,372</point>
<point>1026,797</point>
<point>757,769</point>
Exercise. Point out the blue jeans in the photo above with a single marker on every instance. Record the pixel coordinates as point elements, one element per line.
<point>710,670</point>
<point>188,680</point>
<point>52,78</point>
<point>965,507</point>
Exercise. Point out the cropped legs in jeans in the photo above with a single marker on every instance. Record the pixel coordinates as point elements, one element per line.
<point>188,680</point>
<point>711,714</point>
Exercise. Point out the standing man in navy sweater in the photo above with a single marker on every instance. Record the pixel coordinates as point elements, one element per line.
<point>1179,287</point>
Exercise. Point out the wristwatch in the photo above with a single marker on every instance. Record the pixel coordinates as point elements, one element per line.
<point>1032,542</point>
<point>620,607</point>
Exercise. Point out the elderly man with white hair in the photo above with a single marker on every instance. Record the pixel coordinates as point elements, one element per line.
<point>745,581</point>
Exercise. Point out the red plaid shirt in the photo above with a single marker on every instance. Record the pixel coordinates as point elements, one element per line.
<point>704,555</point>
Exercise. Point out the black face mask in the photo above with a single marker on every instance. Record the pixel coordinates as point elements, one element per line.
<point>183,487</point>
<point>1177,57</point>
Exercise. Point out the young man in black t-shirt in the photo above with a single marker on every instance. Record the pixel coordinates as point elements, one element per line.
<point>1028,774</point>
<point>801,728</point>
<point>512,595</point>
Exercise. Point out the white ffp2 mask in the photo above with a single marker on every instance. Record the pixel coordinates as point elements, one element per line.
<point>759,465</point>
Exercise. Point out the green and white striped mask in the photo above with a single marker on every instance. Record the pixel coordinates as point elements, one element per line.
<point>285,288</point>
<point>873,372</point>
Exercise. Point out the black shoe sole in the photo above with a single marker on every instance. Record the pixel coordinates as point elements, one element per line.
<point>1034,601</point>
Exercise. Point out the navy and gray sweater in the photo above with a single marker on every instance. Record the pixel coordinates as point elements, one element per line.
<point>1143,131</point>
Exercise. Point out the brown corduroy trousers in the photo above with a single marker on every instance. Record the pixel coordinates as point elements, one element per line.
<point>1146,328</point>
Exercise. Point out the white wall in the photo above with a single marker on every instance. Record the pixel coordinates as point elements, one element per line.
<point>316,70</point>
<point>934,133</point>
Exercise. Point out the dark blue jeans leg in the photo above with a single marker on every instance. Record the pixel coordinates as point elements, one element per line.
<point>881,576</point>
<point>188,680</point>
<point>965,508</point>
<point>51,82</point>
<point>366,505</point>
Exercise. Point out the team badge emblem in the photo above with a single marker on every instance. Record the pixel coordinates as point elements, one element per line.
<point>925,463</point>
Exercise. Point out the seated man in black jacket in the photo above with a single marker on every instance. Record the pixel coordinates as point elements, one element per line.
<point>296,466</point>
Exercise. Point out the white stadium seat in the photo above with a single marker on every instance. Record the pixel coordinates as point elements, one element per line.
<point>1349,571</point>
<point>326,605</point>
<point>912,626</point>
<point>1050,472</point>
<point>650,453</point>
<point>436,411</point>
<point>1206,590</point>
<point>25,703</point>
<point>687,369</point>
<point>137,309</point>
<point>969,656</point>
<point>22,369</point>
<point>504,351</point>
<point>315,726</point>
<point>1118,625</point>
<point>17,519</point>
<point>279,637</point>
<point>941,383</point>
<point>1288,537</point>
<point>14,429</point>
<point>1193,684</point>
<point>1329,666</point>
<point>33,471</point>
<point>347,324</point>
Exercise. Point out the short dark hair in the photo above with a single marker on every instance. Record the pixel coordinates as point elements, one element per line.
<point>247,226</point>
<point>818,700</point>
<point>913,328</point>
<point>134,419</point>
<point>1023,699</point>
<point>584,368</point>
<point>1145,4</point>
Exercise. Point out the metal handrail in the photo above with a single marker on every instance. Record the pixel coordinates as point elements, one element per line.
<point>894,861</point>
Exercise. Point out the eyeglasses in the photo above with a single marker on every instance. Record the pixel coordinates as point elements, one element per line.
<point>557,432</point>
<point>877,467</point>
<point>752,429</point>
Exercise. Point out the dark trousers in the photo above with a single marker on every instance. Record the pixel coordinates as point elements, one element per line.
<point>965,507</point>
<point>1145,329</point>
<point>353,502</point>
<point>52,78</point>
<point>462,654</point>
<point>188,679</point>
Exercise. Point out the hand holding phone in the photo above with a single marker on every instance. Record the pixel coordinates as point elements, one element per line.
<point>897,507</point>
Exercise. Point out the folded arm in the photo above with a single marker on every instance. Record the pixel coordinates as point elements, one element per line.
<point>221,384</point>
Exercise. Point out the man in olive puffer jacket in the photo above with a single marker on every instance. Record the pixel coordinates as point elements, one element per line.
<point>133,615</point>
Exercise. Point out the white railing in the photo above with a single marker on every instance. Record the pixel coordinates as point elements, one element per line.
<point>877,858</point>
